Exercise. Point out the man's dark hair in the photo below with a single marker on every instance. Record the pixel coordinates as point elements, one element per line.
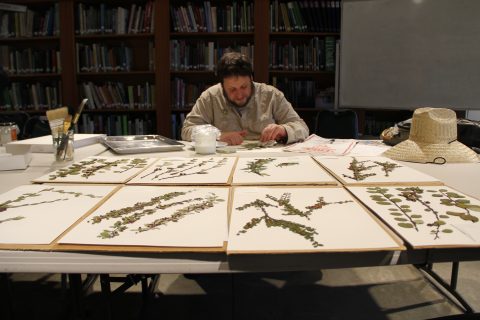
<point>234,64</point>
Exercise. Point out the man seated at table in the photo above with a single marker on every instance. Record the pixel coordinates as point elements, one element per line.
<point>243,109</point>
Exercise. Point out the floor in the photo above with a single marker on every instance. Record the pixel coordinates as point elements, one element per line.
<point>396,292</point>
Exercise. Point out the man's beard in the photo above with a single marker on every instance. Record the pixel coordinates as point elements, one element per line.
<point>236,104</point>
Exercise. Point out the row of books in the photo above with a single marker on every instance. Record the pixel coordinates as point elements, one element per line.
<point>31,96</point>
<point>29,60</point>
<point>300,93</point>
<point>184,94</point>
<point>117,125</point>
<point>117,95</point>
<point>97,57</point>
<point>199,55</point>
<point>177,124</point>
<point>234,17</point>
<point>305,16</point>
<point>317,54</point>
<point>31,23</point>
<point>104,18</point>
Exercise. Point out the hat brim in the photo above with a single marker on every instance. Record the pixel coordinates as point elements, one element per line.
<point>454,152</point>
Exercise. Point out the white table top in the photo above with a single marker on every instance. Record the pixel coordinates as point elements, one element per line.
<point>464,177</point>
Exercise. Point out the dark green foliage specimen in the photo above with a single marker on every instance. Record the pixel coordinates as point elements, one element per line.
<point>181,213</point>
<point>258,166</point>
<point>358,168</point>
<point>286,164</point>
<point>284,202</point>
<point>168,170</point>
<point>387,166</point>
<point>88,168</point>
<point>133,213</point>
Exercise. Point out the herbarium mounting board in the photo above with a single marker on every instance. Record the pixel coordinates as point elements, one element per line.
<point>157,216</point>
<point>302,219</point>
<point>99,170</point>
<point>37,214</point>
<point>191,171</point>
<point>280,170</point>
<point>373,170</point>
<point>425,216</point>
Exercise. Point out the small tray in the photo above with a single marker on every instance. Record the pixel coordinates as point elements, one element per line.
<point>141,144</point>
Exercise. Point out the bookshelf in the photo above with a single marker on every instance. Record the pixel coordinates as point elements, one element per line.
<point>150,65</point>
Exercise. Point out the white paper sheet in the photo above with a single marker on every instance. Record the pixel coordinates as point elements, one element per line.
<point>360,170</point>
<point>201,218</point>
<point>99,170</point>
<point>425,216</point>
<point>260,221</point>
<point>37,214</point>
<point>197,170</point>
<point>280,170</point>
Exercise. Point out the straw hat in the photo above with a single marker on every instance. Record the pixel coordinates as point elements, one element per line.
<point>432,139</point>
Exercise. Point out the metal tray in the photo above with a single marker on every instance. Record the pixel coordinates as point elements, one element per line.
<point>141,144</point>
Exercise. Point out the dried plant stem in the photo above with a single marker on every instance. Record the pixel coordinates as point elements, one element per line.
<point>357,168</point>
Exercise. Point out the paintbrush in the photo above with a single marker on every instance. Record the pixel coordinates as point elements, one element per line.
<point>67,124</point>
<point>63,144</point>
<point>79,111</point>
<point>56,117</point>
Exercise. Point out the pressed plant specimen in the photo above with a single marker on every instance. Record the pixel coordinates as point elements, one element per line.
<point>453,199</point>
<point>358,169</point>
<point>17,202</point>
<point>284,203</point>
<point>258,166</point>
<point>387,166</point>
<point>134,213</point>
<point>195,166</point>
<point>403,211</point>
<point>286,164</point>
<point>203,204</point>
<point>91,167</point>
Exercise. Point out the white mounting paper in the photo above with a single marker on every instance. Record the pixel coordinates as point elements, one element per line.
<point>37,214</point>
<point>99,170</point>
<point>371,171</point>
<point>425,216</point>
<point>280,170</point>
<point>197,170</point>
<point>341,226</point>
<point>202,225</point>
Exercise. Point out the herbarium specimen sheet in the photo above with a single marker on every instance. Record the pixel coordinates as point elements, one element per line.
<point>37,214</point>
<point>302,219</point>
<point>99,170</point>
<point>368,170</point>
<point>198,170</point>
<point>157,216</point>
<point>280,170</point>
<point>425,216</point>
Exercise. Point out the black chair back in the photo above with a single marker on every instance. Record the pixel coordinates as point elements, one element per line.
<point>341,124</point>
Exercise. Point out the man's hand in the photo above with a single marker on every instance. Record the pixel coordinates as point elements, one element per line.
<point>233,137</point>
<point>273,132</point>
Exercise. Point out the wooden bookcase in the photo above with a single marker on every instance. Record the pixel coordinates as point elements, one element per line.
<point>70,78</point>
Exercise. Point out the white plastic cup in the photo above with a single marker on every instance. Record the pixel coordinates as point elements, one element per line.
<point>205,142</point>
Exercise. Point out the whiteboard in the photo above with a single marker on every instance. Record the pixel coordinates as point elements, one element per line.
<point>404,54</point>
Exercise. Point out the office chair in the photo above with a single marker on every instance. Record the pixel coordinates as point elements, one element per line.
<point>36,126</point>
<point>337,124</point>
